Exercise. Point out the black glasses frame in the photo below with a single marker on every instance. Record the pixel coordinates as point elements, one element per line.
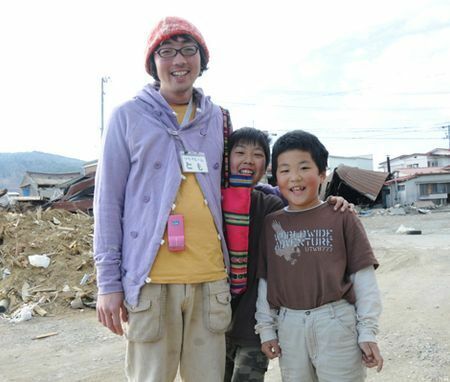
<point>175,51</point>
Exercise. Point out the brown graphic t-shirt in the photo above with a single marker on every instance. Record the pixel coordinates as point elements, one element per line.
<point>307,256</point>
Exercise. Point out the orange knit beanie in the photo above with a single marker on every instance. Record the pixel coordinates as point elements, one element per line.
<point>167,28</point>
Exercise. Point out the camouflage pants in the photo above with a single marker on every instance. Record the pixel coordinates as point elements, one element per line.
<point>245,364</point>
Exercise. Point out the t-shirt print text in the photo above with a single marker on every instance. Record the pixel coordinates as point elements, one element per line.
<point>291,244</point>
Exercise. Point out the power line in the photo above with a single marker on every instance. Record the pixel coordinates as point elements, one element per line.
<point>340,137</point>
<point>360,134</point>
<point>342,108</point>
<point>385,138</point>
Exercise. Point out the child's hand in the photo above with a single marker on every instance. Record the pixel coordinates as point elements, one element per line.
<point>271,349</point>
<point>371,355</point>
<point>340,202</point>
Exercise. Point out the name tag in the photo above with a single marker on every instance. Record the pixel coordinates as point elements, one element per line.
<point>193,162</point>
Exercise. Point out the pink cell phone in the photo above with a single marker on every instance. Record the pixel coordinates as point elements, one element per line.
<point>175,233</point>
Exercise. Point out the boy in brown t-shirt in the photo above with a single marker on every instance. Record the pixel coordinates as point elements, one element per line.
<point>249,153</point>
<point>318,300</point>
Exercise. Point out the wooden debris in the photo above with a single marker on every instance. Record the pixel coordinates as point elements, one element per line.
<point>25,292</point>
<point>83,263</point>
<point>77,303</point>
<point>40,336</point>
<point>42,312</point>
<point>66,228</point>
<point>38,232</point>
<point>38,289</point>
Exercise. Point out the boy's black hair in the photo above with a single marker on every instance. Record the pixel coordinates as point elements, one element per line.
<point>187,37</point>
<point>300,140</point>
<point>252,136</point>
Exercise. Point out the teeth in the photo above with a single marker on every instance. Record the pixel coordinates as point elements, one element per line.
<point>246,172</point>
<point>183,73</point>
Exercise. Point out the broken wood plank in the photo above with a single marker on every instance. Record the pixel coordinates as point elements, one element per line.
<point>42,312</point>
<point>40,336</point>
<point>66,228</point>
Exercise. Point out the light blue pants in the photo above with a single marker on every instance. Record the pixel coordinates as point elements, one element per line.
<point>320,344</point>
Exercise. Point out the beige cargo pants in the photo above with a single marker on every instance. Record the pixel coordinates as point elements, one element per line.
<point>178,325</point>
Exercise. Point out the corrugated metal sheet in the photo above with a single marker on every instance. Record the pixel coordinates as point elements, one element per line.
<point>47,179</point>
<point>366,182</point>
<point>78,194</point>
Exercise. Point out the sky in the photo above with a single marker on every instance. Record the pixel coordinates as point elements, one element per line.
<point>368,78</point>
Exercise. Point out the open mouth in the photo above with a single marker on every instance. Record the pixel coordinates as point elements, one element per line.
<point>297,189</point>
<point>245,171</point>
<point>180,73</point>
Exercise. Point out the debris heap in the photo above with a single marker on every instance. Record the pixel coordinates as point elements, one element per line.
<point>46,261</point>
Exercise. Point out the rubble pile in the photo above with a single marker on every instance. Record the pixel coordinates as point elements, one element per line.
<point>417,208</point>
<point>46,261</point>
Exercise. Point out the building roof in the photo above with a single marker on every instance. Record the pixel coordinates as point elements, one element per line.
<point>90,163</point>
<point>410,173</point>
<point>366,182</point>
<point>422,170</point>
<point>47,179</point>
<point>435,151</point>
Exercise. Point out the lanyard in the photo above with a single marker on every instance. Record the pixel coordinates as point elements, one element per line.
<point>188,161</point>
<point>187,115</point>
<point>186,118</point>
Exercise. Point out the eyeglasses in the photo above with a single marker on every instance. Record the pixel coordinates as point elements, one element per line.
<point>185,51</point>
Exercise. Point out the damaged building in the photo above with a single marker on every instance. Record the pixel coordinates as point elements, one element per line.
<point>45,185</point>
<point>78,194</point>
<point>358,186</point>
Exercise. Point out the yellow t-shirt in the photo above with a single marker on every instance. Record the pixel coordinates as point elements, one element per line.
<point>202,258</point>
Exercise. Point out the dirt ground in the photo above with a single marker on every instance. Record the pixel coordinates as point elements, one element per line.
<point>414,278</point>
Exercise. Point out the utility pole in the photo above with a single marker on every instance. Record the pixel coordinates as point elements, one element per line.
<point>448,134</point>
<point>104,80</point>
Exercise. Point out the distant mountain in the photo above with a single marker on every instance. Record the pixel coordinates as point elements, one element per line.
<point>14,165</point>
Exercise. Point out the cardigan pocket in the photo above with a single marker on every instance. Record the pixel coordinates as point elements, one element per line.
<point>146,319</point>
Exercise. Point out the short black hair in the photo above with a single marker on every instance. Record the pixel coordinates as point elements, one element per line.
<point>300,140</point>
<point>186,37</point>
<point>252,136</point>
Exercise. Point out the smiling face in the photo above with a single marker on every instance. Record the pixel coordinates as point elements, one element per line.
<point>248,159</point>
<point>177,74</point>
<point>299,179</point>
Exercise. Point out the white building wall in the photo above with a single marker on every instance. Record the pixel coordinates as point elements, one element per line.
<point>443,161</point>
<point>412,161</point>
<point>399,196</point>
<point>411,193</point>
<point>362,162</point>
<point>419,160</point>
